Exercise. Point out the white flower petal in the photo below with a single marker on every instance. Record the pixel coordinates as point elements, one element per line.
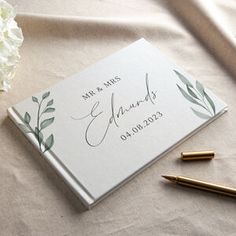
<point>11,38</point>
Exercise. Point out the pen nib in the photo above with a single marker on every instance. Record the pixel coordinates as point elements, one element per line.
<point>169,177</point>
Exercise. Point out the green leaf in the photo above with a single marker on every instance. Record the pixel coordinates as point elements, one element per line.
<point>210,102</point>
<point>49,109</point>
<point>39,135</point>
<point>50,103</point>
<point>188,97</point>
<point>190,91</point>
<point>183,79</point>
<point>34,99</point>
<point>46,123</point>
<point>27,118</point>
<point>36,131</point>
<point>45,95</point>
<point>49,143</point>
<point>200,88</point>
<point>200,114</point>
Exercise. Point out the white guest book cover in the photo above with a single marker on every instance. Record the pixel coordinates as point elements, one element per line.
<point>102,126</point>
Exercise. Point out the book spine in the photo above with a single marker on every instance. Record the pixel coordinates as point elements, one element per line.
<point>79,190</point>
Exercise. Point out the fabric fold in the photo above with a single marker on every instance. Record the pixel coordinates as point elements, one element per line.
<point>206,23</point>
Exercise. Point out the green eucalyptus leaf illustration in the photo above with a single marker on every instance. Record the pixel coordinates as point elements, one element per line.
<point>49,109</point>
<point>50,103</point>
<point>40,125</point>
<point>46,123</point>
<point>45,95</point>
<point>197,95</point>
<point>34,99</point>
<point>210,102</point>
<point>49,143</point>
<point>191,92</point>
<point>188,97</point>
<point>200,114</point>
<point>39,135</point>
<point>27,118</point>
<point>200,88</point>
<point>183,79</point>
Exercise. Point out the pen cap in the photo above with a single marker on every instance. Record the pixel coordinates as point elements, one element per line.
<point>201,155</point>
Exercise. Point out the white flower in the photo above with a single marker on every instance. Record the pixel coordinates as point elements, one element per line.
<point>11,39</point>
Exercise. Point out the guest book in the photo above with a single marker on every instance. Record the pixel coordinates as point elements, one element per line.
<point>101,127</point>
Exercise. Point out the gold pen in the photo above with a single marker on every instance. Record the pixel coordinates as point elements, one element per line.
<point>193,183</point>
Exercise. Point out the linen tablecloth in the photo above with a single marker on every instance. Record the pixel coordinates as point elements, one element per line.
<point>64,37</point>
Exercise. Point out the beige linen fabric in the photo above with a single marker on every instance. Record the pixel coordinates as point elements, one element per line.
<point>62,38</point>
